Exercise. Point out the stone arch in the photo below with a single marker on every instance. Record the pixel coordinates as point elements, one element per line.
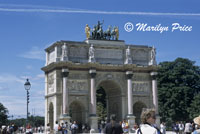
<point>51,115</point>
<point>112,80</point>
<point>77,112</point>
<point>137,110</point>
<point>113,97</point>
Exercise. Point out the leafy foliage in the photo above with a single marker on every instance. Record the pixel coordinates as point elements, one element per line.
<point>34,121</point>
<point>178,83</point>
<point>101,104</point>
<point>194,109</point>
<point>3,115</point>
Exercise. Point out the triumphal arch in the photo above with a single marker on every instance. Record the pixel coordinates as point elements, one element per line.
<point>75,70</point>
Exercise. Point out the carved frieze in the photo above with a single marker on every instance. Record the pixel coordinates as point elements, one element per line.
<point>140,86</point>
<point>51,83</point>
<point>51,56</point>
<point>141,77</point>
<point>81,52</point>
<point>109,53</point>
<point>80,75</point>
<point>140,54</point>
<point>77,85</point>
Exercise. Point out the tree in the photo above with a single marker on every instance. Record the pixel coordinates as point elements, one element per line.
<point>194,109</point>
<point>101,104</point>
<point>178,82</point>
<point>3,115</point>
<point>18,122</point>
<point>36,120</point>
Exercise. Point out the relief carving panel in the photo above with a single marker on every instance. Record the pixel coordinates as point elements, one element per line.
<point>78,52</point>
<point>51,83</point>
<point>52,56</point>
<point>77,85</point>
<point>141,77</point>
<point>140,87</point>
<point>108,53</point>
<point>140,54</point>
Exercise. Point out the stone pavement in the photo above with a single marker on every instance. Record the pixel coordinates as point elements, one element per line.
<point>168,132</point>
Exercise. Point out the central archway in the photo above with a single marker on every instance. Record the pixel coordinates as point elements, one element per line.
<point>113,98</point>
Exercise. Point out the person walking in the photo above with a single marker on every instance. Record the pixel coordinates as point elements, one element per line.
<point>56,128</point>
<point>147,126</point>
<point>48,129</point>
<point>188,128</point>
<point>74,128</point>
<point>163,128</point>
<point>125,126</point>
<point>181,127</point>
<point>113,127</point>
<point>176,127</point>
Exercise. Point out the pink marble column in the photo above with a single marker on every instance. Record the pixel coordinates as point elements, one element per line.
<point>130,116</point>
<point>155,96</point>
<point>154,91</point>
<point>65,73</point>
<point>93,92</point>
<point>129,75</point>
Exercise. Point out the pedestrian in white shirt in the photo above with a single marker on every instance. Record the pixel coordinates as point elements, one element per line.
<point>163,128</point>
<point>148,118</point>
<point>188,128</point>
<point>56,128</point>
<point>181,127</point>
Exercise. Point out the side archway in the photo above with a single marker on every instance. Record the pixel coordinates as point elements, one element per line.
<point>77,112</point>
<point>137,110</point>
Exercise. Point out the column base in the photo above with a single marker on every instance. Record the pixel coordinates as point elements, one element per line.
<point>91,60</point>
<point>94,124</point>
<point>131,122</point>
<point>65,118</point>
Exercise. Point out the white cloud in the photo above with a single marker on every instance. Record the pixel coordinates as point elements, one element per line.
<point>15,8</point>
<point>34,53</point>
<point>40,76</point>
<point>8,78</point>
<point>29,67</point>
<point>3,88</point>
<point>17,105</point>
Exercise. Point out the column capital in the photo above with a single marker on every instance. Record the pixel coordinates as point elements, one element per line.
<point>65,72</point>
<point>129,74</point>
<point>92,73</point>
<point>154,75</point>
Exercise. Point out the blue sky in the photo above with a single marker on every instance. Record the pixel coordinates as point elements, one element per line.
<point>27,27</point>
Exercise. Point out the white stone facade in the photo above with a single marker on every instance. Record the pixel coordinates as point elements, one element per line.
<point>126,94</point>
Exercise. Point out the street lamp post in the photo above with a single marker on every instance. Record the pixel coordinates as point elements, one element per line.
<point>27,87</point>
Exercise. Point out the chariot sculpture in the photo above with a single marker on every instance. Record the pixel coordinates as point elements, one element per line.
<point>98,33</point>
